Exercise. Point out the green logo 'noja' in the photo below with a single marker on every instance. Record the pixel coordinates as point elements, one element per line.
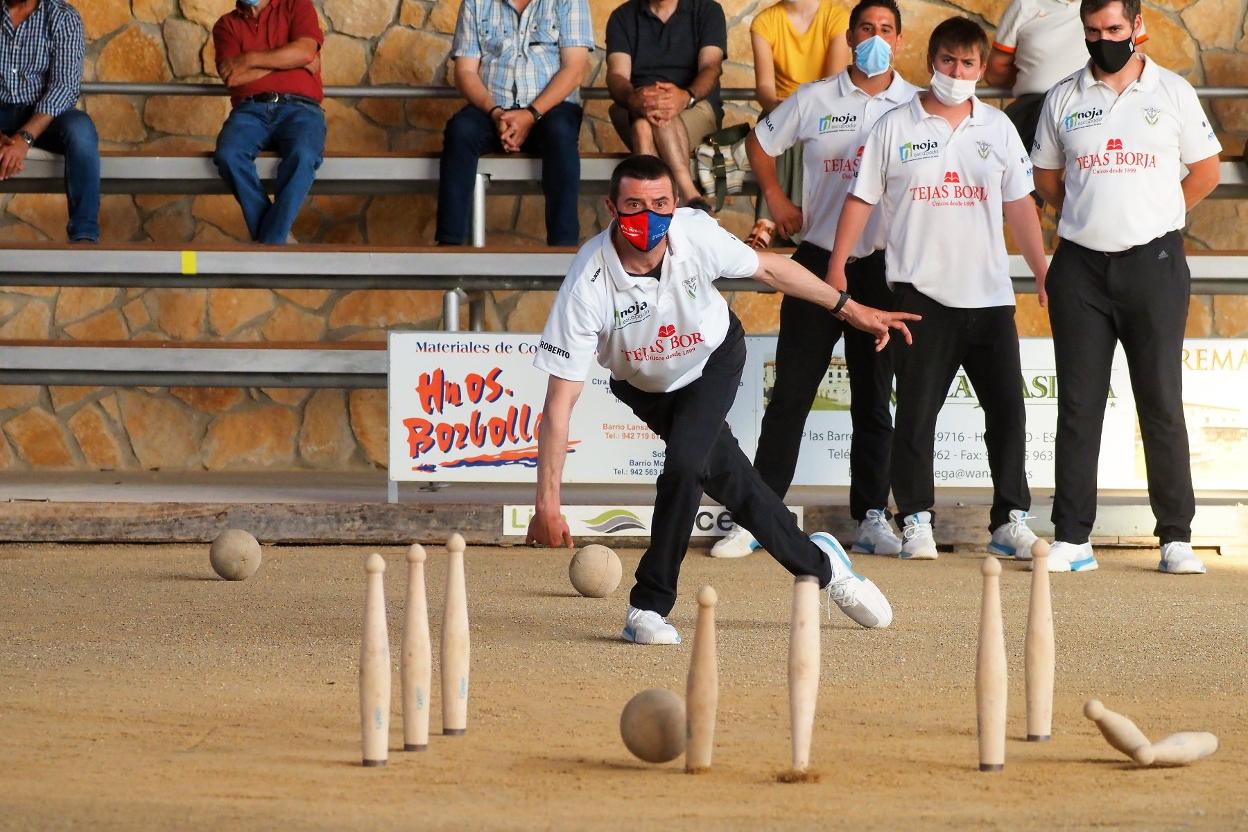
<point>614,521</point>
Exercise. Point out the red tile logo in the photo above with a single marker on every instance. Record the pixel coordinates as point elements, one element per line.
<point>952,176</point>
<point>860,148</point>
<point>667,331</point>
<point>1113,144</point>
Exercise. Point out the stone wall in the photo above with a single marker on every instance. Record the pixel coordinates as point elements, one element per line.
<point>389,42</point>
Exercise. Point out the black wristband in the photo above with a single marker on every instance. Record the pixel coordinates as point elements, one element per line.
<point>840,303</point>
<point>537,116</point>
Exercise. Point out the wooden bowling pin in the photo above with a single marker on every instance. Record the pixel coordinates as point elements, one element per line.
<point>1039,661</point>
<point>416,664</point>
<point>455,642</point>
<point>990,673</point>
<point>1179,749</point>
<point>803,668</point>
<point>1118,730</point>
<point>702,688</point>
<point>375,667</point>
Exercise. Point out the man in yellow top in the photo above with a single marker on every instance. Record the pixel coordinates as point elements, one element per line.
<point>795,42</point>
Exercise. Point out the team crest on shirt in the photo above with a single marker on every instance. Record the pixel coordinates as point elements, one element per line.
<point>691,287</point>
<point>1083,118</point>
<point>1151,115</point>
<point>914,151</point>
<point>837,123</point>
<point>984,149</point>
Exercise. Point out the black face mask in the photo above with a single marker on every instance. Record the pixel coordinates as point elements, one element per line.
<point>1111,55</point>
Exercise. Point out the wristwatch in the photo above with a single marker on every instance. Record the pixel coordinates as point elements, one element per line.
<point>693,100</point>
<point>537,116</point>
<point>840,304</point>
<point>26,137</point>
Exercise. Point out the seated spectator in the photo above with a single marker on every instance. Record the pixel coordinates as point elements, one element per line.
<point>1038,43</point>
<point>794,42</point>
<point>41,47</point>
<point>268,54</point>
<point>520,65</point>
<point>664,59</point>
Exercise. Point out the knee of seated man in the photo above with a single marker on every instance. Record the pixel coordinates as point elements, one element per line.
<point>79,131</point>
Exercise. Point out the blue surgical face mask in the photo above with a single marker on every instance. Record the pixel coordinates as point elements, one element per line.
<point>252,3</point>
<point>873,56</point>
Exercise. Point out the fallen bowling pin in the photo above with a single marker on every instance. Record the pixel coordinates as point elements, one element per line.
<point>1181,749</point>
<point>1118,730</point>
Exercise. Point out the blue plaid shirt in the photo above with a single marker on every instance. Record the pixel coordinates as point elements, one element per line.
<point>520,52</point>
<point>41,60</point>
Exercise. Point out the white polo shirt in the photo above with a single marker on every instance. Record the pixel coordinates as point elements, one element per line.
<point>1122,155</point>
<point>1047,42</point>
<point>941,192</point>
<point>831,118</point>
<point>654,334</point>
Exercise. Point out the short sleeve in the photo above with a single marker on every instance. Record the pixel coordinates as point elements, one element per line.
<point>1196,140</point>
<point>304,24</point>
<point>733,258</point>
<point>619,35</point>
<point>872,167</point>
<point>838,19</point>
<point>574,25</point>
<point>570,338</point>
<point>1016,181</point>
<point>1006,38</point>
<point>712,28</point>
<point>466,43</point>
<point>777,131</point>
<point>1046,151</point>
<point>763,25</point>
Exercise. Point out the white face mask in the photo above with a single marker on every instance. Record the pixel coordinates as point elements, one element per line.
<point>951,91</point>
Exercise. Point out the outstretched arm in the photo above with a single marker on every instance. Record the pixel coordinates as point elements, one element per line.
<point>548,528</point>
<point>785,275</point>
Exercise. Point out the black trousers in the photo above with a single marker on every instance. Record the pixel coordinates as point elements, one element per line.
<point>1138,297</point>
<point>703,456</point>
<point>984,342</point>
<point>808,333</point>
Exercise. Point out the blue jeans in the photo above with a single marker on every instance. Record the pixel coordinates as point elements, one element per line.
<point>470,134</point>
<point>71,134</point>
<point>296,132</point>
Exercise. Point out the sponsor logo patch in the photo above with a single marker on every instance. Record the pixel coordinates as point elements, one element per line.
<point>1083,118</point>
<point>837,123</point>
<point>914,151</point>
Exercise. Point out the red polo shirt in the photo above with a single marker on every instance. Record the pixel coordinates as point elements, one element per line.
<point>277,24</point>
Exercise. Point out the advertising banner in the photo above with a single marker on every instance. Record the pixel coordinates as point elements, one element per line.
<point>468,407</point>
<point>622,521</point>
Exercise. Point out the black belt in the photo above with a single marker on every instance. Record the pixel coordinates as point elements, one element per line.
<point>279,98</point>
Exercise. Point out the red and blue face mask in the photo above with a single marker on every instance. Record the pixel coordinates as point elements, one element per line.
<point>644,229</point>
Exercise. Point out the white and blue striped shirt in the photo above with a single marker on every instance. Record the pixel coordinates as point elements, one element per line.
<point>520,52</point>
<point>41,60</point>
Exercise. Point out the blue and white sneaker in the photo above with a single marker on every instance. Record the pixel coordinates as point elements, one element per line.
<point>1013,539</point>
<point>876,536</point>
<point>1177,558</point>
<point>738,543</point>
<point>1070,557</point>
<point>917,542</point>
<point>857,596</point>
<point>647,627</point>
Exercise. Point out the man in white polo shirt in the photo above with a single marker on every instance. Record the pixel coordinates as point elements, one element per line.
<point>943,169</point>
<point>1038,43</point>
<point>641,297</point>
<point>1109,154</point>
<point>831,119</point>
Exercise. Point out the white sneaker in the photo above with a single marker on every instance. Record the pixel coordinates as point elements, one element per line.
<point>647,627</point>
<point>1177,558</point>
<point>1014,539</point>
<point>857,596</point>
<point>1070,557</point>
<point>738,543</point>
<point>917,542</point>
<point>875,535</point>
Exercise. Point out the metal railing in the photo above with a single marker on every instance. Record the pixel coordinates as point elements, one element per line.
<point>388,91</point>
